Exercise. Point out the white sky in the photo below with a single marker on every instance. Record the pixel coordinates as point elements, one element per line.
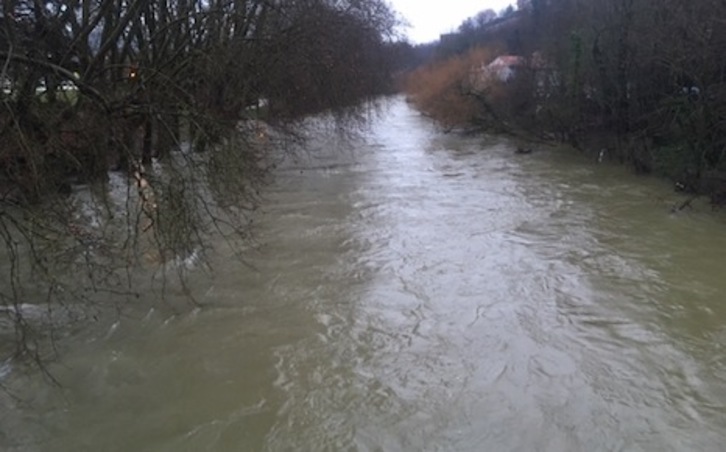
<point>430,18</point>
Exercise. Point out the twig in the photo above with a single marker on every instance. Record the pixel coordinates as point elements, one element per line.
<point>687,203</point>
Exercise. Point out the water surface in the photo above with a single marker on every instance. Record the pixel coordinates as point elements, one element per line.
<point>414,290</point>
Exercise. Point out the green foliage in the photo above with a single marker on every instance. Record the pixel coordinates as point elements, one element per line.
<point>575,75</point>
<point>674,160</point>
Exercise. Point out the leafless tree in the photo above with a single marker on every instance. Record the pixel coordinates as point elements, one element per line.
<point>95,90</point>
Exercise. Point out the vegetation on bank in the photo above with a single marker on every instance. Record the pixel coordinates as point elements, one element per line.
<point>172,113</point>
<point>642,79</point>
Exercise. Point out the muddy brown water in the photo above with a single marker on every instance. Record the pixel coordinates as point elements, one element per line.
<point>415,291</point>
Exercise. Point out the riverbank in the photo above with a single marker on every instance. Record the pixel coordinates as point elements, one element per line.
<point>606,77</point>
<point>645,158</point>
<point>490,112</point>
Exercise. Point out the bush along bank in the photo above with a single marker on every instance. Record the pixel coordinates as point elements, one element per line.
<point>636,81</point>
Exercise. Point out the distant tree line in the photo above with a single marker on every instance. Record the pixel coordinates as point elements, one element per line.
<point>644,79</point>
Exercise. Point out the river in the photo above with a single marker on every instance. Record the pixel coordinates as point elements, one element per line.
<point>412,290</point>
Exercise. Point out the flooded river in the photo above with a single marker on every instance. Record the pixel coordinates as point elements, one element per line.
<point>414,291</point>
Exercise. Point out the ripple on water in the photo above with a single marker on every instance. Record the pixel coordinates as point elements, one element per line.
<point>430,292</point>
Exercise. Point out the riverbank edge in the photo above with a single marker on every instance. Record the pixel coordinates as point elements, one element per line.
<point>636,153</point>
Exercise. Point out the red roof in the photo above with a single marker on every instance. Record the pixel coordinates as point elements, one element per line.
<point>508,60</point>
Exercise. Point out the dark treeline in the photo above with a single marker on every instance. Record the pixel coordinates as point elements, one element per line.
<point>643,79</point>
<point>141,66</point>
<point>169,111</point>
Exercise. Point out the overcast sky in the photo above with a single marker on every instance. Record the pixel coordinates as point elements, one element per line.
<point>430,18</point>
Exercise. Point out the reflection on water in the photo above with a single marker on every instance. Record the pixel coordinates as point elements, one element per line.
<point>420,291</point>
